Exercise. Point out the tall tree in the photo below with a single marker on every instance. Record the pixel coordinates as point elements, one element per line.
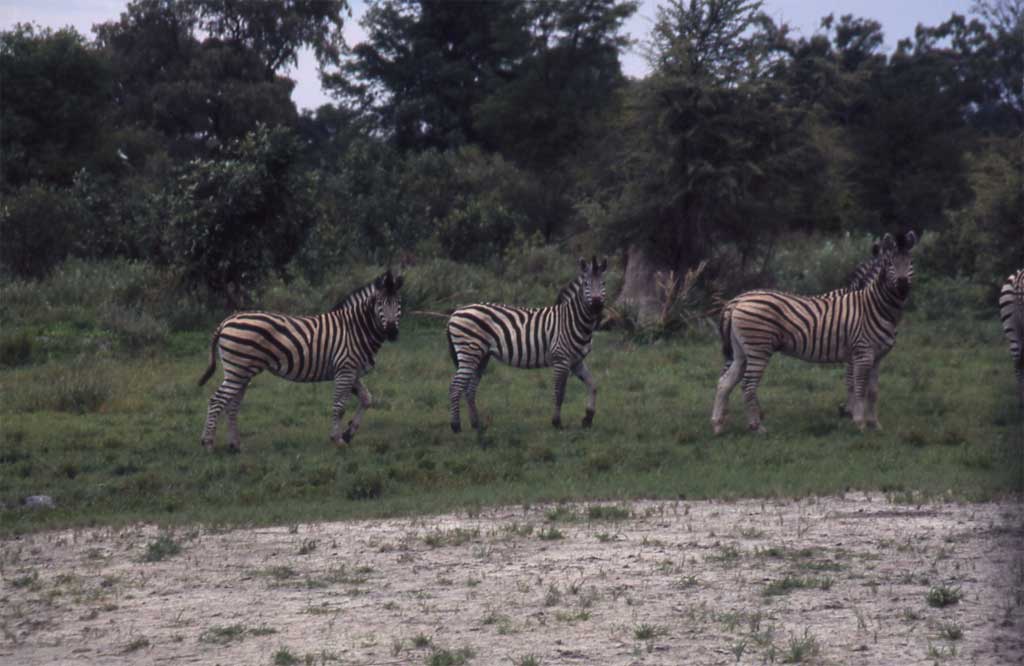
<point>52,107</point>
<point>718,149</point>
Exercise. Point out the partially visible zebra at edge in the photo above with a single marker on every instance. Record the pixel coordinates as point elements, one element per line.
<point>338,345</point>
<point>557,336</point>
<point>1011,311</point>
<point>858,327</point>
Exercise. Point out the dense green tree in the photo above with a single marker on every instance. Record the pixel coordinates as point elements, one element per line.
<point>55,89</point>
<point>717,150</point>
<point>241,215</point>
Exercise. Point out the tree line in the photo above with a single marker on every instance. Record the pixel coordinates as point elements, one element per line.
<point>459,129</point>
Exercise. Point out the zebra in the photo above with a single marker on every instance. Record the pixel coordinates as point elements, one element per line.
<point>1011,311</point>
<point>557,336</point>
<point>858,327</point>
<point>338,345</point>
<point>860,277</point>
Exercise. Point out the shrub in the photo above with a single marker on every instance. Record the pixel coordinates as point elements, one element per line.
<point>813,265</point>
<point>37,225</point>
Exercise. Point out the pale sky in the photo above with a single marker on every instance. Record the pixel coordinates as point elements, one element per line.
<point>898,19</point>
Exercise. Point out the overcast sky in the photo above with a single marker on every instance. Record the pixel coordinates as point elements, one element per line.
<point>898,19</point>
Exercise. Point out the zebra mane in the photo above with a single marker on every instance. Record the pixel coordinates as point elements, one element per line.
<point>568,291</point>
<point>358,296</point>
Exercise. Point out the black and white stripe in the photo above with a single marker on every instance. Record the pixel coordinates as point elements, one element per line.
<point>558,336</point>
<point>861,276</point>
<point>857,327</point>
<point>1011,311</point>
<point>337,346</point>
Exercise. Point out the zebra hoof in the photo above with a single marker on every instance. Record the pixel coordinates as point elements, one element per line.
<point>456,427</point>
<point>588,419</point>
<point>206,444</point>
<point>844,413</point>
<point>235,447</point>
<point>758,429</point>
<point>347,436</point>
<point>557,423</point>
<point>717,428</point>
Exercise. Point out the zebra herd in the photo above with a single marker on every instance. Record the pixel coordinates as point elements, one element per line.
<point>855,324</point>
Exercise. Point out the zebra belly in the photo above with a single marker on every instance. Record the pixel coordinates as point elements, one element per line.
<point>524,360</point>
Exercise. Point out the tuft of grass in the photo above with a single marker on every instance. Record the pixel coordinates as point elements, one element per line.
<point>551,533</point>
<point>222,635</point>
<point>160,549</point>
<point>284,657</point>
<point>951,631</point>
<point>799,650</point>
<point>646,632</point>
<point>789,583</point>
<point>445,657</point>
<point>941,596</point>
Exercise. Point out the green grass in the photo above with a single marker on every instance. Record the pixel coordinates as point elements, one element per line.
<point>123,445</point>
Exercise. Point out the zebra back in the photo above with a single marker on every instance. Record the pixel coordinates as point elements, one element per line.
<point>313,347</point>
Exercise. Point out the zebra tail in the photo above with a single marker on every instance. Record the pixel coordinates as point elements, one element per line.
<point>451,349</point>
<point>213,358</point>
<point>725,332</point>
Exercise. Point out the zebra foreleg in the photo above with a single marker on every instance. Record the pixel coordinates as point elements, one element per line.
<point>561,376</point>
<point>581,371</point>
<point>365,400</point>
<point>861,379</point>
<point>871,412</point>
<point>846,410</point>
<point>343,385</point>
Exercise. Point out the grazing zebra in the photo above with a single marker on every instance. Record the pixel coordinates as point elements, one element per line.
<point>338,345</point>
<point>858,327</point>
<point>1011,310</point>
<point>558,336</point>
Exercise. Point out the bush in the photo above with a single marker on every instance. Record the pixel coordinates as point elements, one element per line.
<point>814,265</point>
<point>37,225</point>
<point>951,298</point>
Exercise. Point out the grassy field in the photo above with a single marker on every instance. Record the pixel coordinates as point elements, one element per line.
<point>114,438</point>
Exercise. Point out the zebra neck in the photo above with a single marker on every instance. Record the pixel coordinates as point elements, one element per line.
<point>582,312</point>
<point>890,304</point>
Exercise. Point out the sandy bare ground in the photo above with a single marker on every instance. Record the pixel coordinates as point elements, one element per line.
<point>827,580</point>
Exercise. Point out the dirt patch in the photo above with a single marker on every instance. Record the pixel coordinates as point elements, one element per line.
<point>851,580</point>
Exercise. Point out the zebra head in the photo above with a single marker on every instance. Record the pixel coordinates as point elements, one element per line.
<point>591,281</point>
<point>388,305</point>
<point>898,265</point>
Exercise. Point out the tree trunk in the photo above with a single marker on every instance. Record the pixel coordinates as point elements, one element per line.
<point>639,291</point>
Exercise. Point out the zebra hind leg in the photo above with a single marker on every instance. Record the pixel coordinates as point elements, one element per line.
<point>221,398</point>
<point>846,409</point>
<point>232,407</point>
<point>344,383</point>
<point>469,361</point>
<point>731,376</point>
<point>470,393</point>
<point>752,375</point>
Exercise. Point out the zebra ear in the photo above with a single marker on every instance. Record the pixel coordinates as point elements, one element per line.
<point>583,265</point>
<point>604,265</point>
<point>876,247</point>
<point>399,281</point>
<point>909,240</point>
<point>888,244</point>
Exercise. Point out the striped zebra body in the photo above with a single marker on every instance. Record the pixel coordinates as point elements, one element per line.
<point>1011,311</point>
<point>339,346</point>
<point>863,274</point>
<point>558,336</point>
<point>856,327</point>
